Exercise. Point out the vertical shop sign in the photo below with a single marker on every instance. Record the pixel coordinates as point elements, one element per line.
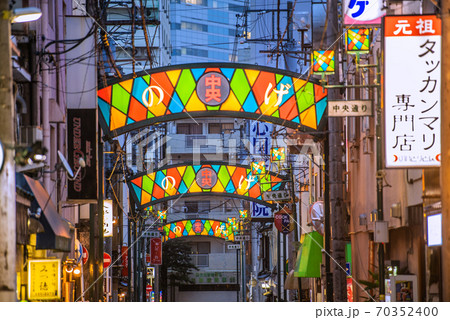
<point>363,12</point>
<point>107,218</point>
<point>260,144</point>
<point>124,255</point>
<point>156,251</point>
<point>412,82</point>
<point>82,143</point>
<point>44,279</point>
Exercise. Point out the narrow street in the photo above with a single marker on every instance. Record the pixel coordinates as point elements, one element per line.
<point>226,151</point>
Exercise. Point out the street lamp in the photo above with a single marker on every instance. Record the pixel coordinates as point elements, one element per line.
<point>21,15</point>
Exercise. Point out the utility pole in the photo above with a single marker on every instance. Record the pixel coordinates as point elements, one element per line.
<point>7,173</point>
<point>298,218</point>
<point>445,145</point>
<point>335,167</point>
<point>380,215</point>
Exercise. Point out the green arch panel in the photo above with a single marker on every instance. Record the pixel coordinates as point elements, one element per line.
<point>227,90</point>
<point>197,227</point>
<point>171,182</point>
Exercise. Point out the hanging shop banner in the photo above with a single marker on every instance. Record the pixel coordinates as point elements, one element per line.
<point>44,279</point>
<point>353,108</point>
<point>156,251</point>
<point>283,220</point>
<point>82,143</point>
<point>412,82</point>
<point>363,12</point>
<point>107,218</point>
<point>124,255</point>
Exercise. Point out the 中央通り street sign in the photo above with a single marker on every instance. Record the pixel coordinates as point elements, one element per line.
<point>279,195</point>
<point>352,108</point>
<point>234,246</point>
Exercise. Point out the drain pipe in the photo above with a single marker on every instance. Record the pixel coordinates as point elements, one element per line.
<point>45,95</point>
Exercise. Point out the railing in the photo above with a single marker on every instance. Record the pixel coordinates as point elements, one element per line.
<point>200,260</point>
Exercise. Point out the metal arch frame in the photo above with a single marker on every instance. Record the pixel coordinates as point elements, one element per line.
<point>283,180</point>
<point>207,65</point>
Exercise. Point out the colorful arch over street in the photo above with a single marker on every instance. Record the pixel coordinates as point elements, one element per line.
<point>212,178</point>
<point>198,227</point>
<point>211,90</point>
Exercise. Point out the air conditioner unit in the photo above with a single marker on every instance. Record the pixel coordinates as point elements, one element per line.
<point>354,153</point>
<point>30,135</point>
<point>396,210</point>
<point>367,145</point>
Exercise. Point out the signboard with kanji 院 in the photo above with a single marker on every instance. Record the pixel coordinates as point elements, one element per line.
<point>44,279</point>
<point>412,82</point>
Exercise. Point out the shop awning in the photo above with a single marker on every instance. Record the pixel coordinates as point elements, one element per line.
<point>309,257</point>
<point>57,231</point>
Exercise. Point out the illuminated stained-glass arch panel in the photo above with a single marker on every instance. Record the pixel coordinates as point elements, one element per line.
<point>199,227</point>
<point>213,178</point>
<point>205,90</point>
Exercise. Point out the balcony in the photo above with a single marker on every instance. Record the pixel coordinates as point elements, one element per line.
<point>215,261</point>
<point>209,144</point>
<point>200,260</point>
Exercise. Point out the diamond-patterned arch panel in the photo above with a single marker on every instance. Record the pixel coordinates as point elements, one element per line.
<point>220,179</point>
<point>199,227</point>
<point>166,94</point>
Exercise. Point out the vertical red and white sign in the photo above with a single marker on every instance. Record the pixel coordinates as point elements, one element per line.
<point>412,90</point>
<point>124,255</point>
<point>156,251</point>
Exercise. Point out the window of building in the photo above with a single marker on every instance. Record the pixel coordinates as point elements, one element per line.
<point>200,253</point>
<point>218,16</point>
<point>216,41</point>
<point>236,8</point>
<point>197,206</point>
<point>197,2</point>
<point>201,247</point>
<point>175,26</point>
<point>194,26</point>
<point>217,128</point>
<point>189,128</point>
<point>194,52</point>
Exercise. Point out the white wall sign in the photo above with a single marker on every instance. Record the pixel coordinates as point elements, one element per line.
<point>107,218</point>
<point>412,82</point>
<point>260,211</point>
<point>353,108</point>
<point>434,230</point>
<point>363,12</point>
